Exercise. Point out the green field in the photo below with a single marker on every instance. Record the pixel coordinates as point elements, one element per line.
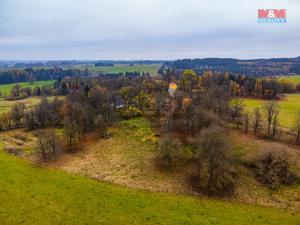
<point>117,68</point>
<point>5,88</point>
<point>31,194</point>
<point>289,107</point>
<point>152,69</point>
<point>294,79</point>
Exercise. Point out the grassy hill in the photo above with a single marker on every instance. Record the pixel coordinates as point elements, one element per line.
<point>30,194</point>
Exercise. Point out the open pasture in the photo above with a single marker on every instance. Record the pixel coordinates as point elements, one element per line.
<point>295,79</point>
<point>5,88</point>
<point>31,194</point>
<point>289,108</point>
<point>122,68</point>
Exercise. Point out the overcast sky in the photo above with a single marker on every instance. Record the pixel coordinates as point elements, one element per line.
<point>145,29</point>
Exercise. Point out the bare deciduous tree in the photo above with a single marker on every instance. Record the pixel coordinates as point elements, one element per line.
<point>272,111</point>
<point>48,145</point>
<point>168,147</point>
<point>17,113</point>
<point>216,173</point>
<point>5,119</point>
<point>297,128</point>
<point>246,122</point>
<point>272,169</point>
<point>236,107</point>
<point>257,119</point>
<point>71,132</point>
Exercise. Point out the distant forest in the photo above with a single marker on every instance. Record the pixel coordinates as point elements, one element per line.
<point>61,63</point>
<point>253,67</point>
<point>30,74</point>
<point>33,74</point>
<point>35,71</point>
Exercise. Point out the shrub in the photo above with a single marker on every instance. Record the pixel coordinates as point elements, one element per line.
<point>298,87</point>
<point>130,112</point>
<point>168,147</point>
<point>272,169</point>
<point>48,145</point>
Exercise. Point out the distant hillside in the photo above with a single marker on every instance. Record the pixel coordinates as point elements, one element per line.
<point>71,63</point>
<point>253,67</point>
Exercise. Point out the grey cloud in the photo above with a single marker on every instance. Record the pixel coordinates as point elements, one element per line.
<point>126,29</point>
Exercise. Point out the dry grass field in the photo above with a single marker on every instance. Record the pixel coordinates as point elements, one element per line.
<point>130,158</point>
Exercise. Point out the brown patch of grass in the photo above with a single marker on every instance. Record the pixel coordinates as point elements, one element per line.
<point>129,158</point>
<point>247,147</point>
<point>249,190</point>
<point>19,142</point>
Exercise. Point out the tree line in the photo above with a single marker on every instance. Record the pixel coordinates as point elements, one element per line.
<point>240,85</point>
<point>253,67</point>
<point>10,76</point>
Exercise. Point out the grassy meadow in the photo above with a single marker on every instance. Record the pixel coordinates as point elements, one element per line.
<point>30,194</point>
<point>117,68</point>
<point>5,88</point>
<point>6,105</point>
<point>289,107</point>
<point>130,158</point>
<point>294,79</point>
<point>122,68</point>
